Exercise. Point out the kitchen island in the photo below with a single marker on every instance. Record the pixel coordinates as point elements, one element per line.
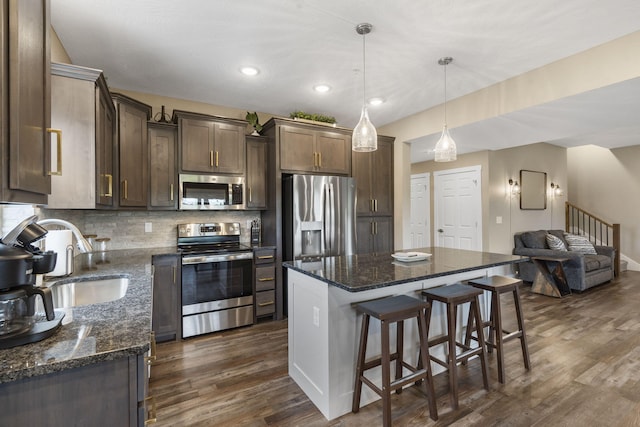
<point>94,363</point>
<point>323,324</point>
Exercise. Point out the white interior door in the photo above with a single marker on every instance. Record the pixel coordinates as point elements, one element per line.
<point>419,226</point>
<point>458,208</point>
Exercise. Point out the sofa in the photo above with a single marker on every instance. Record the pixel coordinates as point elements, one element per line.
<point>583,270</point>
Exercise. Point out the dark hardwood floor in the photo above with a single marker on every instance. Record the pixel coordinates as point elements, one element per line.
<point>585,357</point>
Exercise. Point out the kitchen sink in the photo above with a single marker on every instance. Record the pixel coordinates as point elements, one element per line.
<point>91,291</point>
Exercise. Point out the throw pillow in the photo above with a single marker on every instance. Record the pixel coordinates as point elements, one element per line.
<point>555,243</point>
<point>534,239</point>
<point>579,244</point>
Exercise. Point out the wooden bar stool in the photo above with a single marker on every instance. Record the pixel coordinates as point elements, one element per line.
<point>453,296</point>
<point>499,285</point>
<point>389,310</point>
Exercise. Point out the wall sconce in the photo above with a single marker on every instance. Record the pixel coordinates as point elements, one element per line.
<point>515,188</point>
<point>556,190</point>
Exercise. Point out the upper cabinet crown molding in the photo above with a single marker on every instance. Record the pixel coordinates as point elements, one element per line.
<point>120,98</point>
<point>178,114</point>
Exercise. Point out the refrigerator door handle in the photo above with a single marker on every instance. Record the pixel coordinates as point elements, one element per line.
<point>325,218</point>
<point>332,219</point>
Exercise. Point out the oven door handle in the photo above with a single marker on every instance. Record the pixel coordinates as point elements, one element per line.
<point>201,259</point>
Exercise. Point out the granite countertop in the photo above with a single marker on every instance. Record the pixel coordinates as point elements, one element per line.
<point>96,332</point>
<point>355,273</point>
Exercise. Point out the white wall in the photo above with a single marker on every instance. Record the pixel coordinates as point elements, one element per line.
<point>606,183</point>
<point>506,164</point>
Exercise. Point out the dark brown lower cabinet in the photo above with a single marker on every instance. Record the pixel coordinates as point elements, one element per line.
<point>264,282</point>
<point>374,234</point>
<point>166,297</point>
<point>109,393</point>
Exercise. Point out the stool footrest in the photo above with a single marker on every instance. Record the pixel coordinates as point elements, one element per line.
<point>438,340</point>
<point>511,335</point>
<point>378,361</point>
<point>438,361</point>
<point>469,353</point>
<point>411,378</point>
<point>371,385</point>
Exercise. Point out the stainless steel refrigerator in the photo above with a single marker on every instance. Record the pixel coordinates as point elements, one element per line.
<point>319,216</point>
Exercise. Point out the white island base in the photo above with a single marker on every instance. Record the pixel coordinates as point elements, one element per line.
<point>324,330</point>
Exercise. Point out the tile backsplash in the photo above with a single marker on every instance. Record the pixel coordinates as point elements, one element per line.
<point>126,229</point>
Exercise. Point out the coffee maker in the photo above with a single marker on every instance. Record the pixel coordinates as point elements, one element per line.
<point>20,264</point>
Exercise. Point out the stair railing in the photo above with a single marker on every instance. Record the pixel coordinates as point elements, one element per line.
<point>598,231</point>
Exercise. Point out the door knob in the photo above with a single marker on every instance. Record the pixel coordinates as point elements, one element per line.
<point>440,230</point>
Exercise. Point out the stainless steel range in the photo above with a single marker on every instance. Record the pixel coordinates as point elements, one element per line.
<point>216,278</point>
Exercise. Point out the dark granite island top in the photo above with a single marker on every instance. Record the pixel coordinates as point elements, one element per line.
<point>97,332</point>
<point>356,273</point>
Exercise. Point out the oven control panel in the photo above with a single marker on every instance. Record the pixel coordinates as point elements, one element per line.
<point>209,229</point>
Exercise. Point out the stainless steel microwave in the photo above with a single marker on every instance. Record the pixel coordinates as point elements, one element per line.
<point>211,192</point>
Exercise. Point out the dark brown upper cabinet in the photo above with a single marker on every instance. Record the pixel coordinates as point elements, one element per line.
<point>305,148</point>
<point>256,172</point>
<point>373,172</point>
<point>25,94</point>
<point>162,166</point>
<point>210,144</point>
<point>133,151</point>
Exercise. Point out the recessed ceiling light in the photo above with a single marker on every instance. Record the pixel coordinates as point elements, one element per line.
<point>376,101</point>
<point>322,88</point>
<point>249,71</point>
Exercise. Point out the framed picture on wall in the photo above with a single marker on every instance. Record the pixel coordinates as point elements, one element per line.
<point>533,190</point>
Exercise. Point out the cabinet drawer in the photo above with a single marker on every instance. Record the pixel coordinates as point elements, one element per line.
<point>265,278</point>
<point>265,303</point>
<point>264,256</point>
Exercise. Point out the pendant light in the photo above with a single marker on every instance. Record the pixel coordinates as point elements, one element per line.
<point>445,150</point>
<point>365,137</point>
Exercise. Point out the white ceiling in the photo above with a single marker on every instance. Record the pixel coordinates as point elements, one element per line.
<point>193,49</point>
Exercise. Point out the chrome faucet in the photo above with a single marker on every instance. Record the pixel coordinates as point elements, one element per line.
<point>82,243</point>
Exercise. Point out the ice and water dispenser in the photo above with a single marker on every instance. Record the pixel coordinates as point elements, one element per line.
<point>311,239</point>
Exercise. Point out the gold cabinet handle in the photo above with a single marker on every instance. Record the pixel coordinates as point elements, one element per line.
<point>265,257</point>
<point>109,192</point>
<point>375,205</point>
<point>266,303</point>
<point>152,414</point>
<point>175,269</point>
<point>315,159</point>
<point>211,158</point>
<point>216,159</point>
<point>171,192</point>
<point>58,170</point>
<point>371,205</point>
<point>125,189</point>
<point>320,159</point>
<point>148,360</point>
<point>250,195</point>
<point>376,227</point>
<point>265,279</point>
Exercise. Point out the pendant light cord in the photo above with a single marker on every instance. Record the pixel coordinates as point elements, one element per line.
<point>364,72</point>
<point>445,94</point>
